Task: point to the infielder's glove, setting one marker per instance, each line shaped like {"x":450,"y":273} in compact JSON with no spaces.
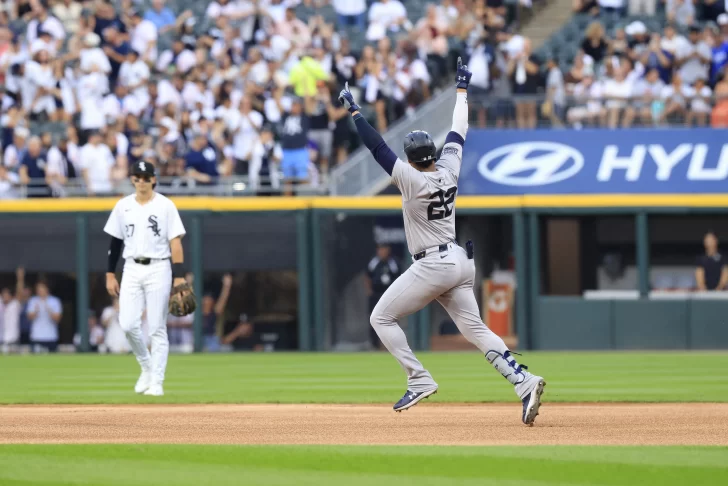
{"x":182,"y":300}
{"x":347,"y":99}
{"x":463,"y":76}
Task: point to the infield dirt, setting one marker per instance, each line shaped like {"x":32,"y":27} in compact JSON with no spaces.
{"x":427,"y":423}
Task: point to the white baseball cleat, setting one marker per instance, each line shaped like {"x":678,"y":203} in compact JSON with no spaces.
{"x":154,"y":391}
{"x":144,"y":382}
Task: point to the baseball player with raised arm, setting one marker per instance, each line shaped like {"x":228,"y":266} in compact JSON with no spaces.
{"x":441,"y":269}
{"x":150,"y":228}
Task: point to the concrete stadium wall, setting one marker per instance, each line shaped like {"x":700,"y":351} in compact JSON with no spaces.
{"x":574,"y":323}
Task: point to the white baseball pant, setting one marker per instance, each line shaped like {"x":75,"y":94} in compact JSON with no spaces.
{"x":148,"y":285}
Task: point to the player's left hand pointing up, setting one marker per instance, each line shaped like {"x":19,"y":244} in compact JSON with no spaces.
{"x":463,"y":76}
{"x":347,"y":99}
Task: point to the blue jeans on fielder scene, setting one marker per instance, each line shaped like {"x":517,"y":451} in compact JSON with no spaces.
{"x":295,"y":163}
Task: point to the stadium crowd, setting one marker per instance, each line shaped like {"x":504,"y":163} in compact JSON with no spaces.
{"x":631,"y":71}
{"x":212,"y":90}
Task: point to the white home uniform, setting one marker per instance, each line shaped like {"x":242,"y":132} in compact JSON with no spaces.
{"x":147,"y":276}
{"x":441,"y":270}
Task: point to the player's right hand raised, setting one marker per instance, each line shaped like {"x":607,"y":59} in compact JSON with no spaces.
{"x":112,"y":285}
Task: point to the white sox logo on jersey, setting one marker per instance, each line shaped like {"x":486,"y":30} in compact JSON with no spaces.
{"x":153,"y":225}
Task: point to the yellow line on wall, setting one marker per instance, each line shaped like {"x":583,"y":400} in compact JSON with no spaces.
{"x":377,"y":202}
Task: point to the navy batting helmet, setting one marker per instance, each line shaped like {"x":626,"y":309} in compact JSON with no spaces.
{"x":420,"y":148}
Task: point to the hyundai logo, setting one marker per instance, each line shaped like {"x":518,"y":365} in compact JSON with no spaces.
{"x":531,"y":163}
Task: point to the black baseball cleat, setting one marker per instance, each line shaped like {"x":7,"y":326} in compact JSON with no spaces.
{"x":410,"y":399}
{"x":532,"y":402}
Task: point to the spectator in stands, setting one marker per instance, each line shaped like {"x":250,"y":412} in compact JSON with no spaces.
{"x":294,"y":129}
{"x":44,"y":311}
{"x":587,"y":106}
{"x":712,"y":9}
{"x":523,"y":70}
{"x":712,"y":269}
{"x":655,"y":57}
{"x":32,"y":169}
{"x":105,"y":16}
{"x":201,"y":161}
{"x":68,"y":12}
{"x":43,"y":22}
{"x":647,"y":97}
{"x":642,"y":7}
{"x":244,"y":125}
{"x":555,"y":106}
{"x":595,"y":44}
{"x":718,"y":41}
{"x":700,"y":104}
{"x":96,"y":163}
{"x":612,"y":8}
{"x":212,"y":310}
{"x":719,"y":115}
{"x":142,"y":37}
{"x":8,"y":181}
{"x":351,"y":13}
{"x":617,"y":93}
{"x":590,"y":7}
{"x":692,"y":57}
{"x":431,"y":38}
{"x":386,"y":16}
{"x":15,"y":152}
{"x":265,"y":163}
{"x":676,"y":96}
{"x":161,"y":16}
{"x":681,"y":12}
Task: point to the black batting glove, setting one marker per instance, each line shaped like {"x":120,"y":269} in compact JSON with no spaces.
{"x":346,"y":99}
{"x":463,"y":76}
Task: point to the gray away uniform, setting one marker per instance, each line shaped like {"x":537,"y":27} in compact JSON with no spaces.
{"x":428,"y":200}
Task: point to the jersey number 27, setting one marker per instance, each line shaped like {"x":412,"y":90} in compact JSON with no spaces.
{"x":444,"y":200}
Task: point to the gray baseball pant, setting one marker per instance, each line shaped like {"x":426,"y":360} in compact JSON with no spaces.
{"x":448,"y":278}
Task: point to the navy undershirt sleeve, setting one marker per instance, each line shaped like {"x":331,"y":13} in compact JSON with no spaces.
{"x":114,"y":253}
{"x":376,"y":144}
{"x":455,"y":137}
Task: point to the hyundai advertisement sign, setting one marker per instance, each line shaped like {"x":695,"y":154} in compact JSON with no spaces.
{"x":598,"y":161}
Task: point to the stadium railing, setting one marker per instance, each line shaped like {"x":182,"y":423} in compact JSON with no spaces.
{"x":233,"y":186}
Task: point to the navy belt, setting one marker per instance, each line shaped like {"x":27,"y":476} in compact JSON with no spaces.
{"x":422,"y":254}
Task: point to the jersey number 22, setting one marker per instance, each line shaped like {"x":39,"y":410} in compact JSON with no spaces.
{"x":444,"y":200}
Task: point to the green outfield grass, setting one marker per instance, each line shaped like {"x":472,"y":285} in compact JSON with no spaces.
{"x":360,"y":466}
{"x":363,"y":378}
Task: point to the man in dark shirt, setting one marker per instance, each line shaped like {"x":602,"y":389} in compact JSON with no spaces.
{"x":243,"y":337}
{"x":33,"y":169}
{"x":201,"y":161}
{"x":382,"y":271}
{"x":116,"y":49}
{"x":294,"y":138}
{"x":712,"y":271}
